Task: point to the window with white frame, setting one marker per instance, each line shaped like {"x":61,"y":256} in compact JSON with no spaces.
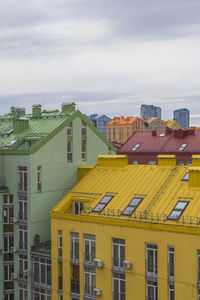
{"x":171,"y":262}
{"x":118,"y":252}
{"x":22,"y":179}
{"x":136,"y":147}
{"x":119,"y":286}
{"x":7,"y":215}
{"x":41,"y":294}
{"x":60,"y":243}
{"x":42,"y":270}
{"x":178,"y":210}
{"x":39,"y":179}
{"x":23,"y":237}
{"x":198,"y":294}
{"x":84,"y":141}
{"x":60,"y":296}
{"x":171,"y":292}
{"x":109,"y":134}
{"x":8,"y":270}
{"x":74,"y":246}
{"x":114,"y":136}
{"x":198,"y":266}
{"x":89,"y":248}
{"x":9,"y":296}
{"x":23,"y":293}
{"x":152,"y":290}
{"x":151,"y":260}
{"x":127,"y":132}
{"x":69,"y":142}
{"x":23,"y":267}
{"x":8,"y":242}
{"x":103,"y":203}
{"x":89,"y":281}
{"x":182,"y":147}
{"x":8,"y":199}
{"x":78,"y":207}
{"x":131,"y":207}
{"x":23,"y":211}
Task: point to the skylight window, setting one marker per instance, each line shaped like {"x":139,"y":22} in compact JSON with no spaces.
{"x":178,"y":210}
{"x":102,"y":204}
{"x":11,"y":143}
{"x":162,"y":134}
{"x":132,"y":206}
{"x":136,"y":147}
{"x":186,"y":177}
{"x":182,"y":147}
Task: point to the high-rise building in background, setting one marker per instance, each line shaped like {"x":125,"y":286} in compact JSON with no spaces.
{"x":100,"y":122}
{"x":182,"y":116}
{"x":149,"y":111}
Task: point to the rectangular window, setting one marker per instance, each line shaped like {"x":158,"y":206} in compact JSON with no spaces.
{"x":118,"y":286}
{"x":69,"y":143}
{"x":152,"y":290}
{"x":114,"y":136}
{"x":23,"y":293}
{"x":182,"y":147}
{"x":89,"y":281}
{"x":74,"y":246}
{"x":171,"y":292}
{"x":41,"y":294}
{"x":60,"y":243}
{"x":171,"y":262}
{"x":7,"y":215}
{"x":84,"y":141}
{"x":127,"y":132}
{"x":78,"y":207}
{"x":22,"y":179}
{"x":151,"y":162}
{"x":8,"y":282}
{"x":8,"y":242}
{"x":8,"y":199}
{"x":198,"y":266}
{"x":109,"y":134}
{"x":42,"y":270}
{"x":23,"y":267}
{"x":89,"y":248}
{"x":103,"y":203}
{"x":178,"y":210}
{"x":39,"y":179}
{"x":23,"y":237}
{"x":23,"y":212}
{"x":132,"y":206}
{"x":118,"y":252}
{"x":120,"y":135}
{"x":136,"y":147}
{"x":151,"y":260}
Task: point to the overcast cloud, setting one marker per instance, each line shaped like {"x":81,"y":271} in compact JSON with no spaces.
{"x":107,"y":56}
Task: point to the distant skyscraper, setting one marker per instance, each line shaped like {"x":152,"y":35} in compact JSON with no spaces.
{"x":182,"y":116}
{"x":149,"y":111}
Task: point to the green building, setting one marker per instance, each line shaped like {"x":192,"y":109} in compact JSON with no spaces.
{"x":39,"y":156}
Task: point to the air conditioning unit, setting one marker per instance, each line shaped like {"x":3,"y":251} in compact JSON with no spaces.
{"x":13,"y":249}
{"x":26,"y":272}
{"x":127,"y":264}
{"x":98,"y":263}
{"x":97,"y":292}
{"x":13,"y":276}
{"x":13,"y":220}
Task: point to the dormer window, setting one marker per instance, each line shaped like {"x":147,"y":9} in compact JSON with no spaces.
{"x":182,"y":147}
{"x":136,"y":147}
{"x":186,"y":177}
{"x":178,"y":210}
{"x":102,"y":204}
{"x":78,"y":207}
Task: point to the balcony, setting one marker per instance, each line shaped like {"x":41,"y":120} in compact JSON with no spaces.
{"x":75,"y":286}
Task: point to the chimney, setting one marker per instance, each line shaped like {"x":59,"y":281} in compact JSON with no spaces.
{"x":166,"y":160}
{"x":153,"y":132}
{"x":20,"y":124}
{"x":68,"y":107}
{"x":168,"y":130}
{"x":17,"y":111}
{"x":112,"y":161}
{"x":36,"y":110}
{"x":179,"y":133}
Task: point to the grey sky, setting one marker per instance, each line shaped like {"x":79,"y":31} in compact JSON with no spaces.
{"x":109,"y":56}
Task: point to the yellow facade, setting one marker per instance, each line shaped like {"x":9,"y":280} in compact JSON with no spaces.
{"x":160,"y":188}
{"x":172,"y":124}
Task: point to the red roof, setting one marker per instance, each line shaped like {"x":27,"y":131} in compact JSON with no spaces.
{"x":168,"y":141}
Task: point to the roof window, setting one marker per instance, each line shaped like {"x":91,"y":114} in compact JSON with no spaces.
{"x":132,"y":206}
{"x":178,"y":210}
{"x":136,"y":147}
{"x":11,"y":143}
{"x":102,"y":204}
{"x":162,"y":134}
{"x":185,"y":177}
{"x":182,"y":147}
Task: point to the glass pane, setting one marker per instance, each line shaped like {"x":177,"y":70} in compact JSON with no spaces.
{"x":106,"y":199}
{"x":181,"y":205}
{"x":128,"y":211}
{"x":99,"y":208}
{"x":135,"y":201}
{"x":175,"y":215}
{"x":87,"y":250}
{"x":150,"y":261}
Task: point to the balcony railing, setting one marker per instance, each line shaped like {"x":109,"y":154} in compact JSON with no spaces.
{"x":75,"y":286}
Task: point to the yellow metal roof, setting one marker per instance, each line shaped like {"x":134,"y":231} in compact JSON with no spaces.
{"x":160,"y":187}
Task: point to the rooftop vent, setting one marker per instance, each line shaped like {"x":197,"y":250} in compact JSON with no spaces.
{"x":68,"y":107}
{"x":112,"y":161}
{"x":36,"y":110}
{"x":166,"y":160}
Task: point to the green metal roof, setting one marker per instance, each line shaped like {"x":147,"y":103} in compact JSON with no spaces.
{"x":40,"y":130}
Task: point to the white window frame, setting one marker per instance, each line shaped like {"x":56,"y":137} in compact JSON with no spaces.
{"x":22,"y":179}
{"x":83,"y":138}
{"x":24,"y":231}
{"x":10,"y":269}
{"x":171,"y":261}
{"x":9,"y":199}
{"x":69,"y":140}
{"x":42,"y":263}
{"x":79,"y":205}
{"x":10,"y":242}
{"x":154,"y":286}
{"x":171,"y":289}
{"x":60,"y":241}
{"x":119,"y":283}
{"x":23,"y":265}
{"x":42,"y":294}
{"x":92,"y":245}
{"x":7,"y":214}
{"x":39,"y":179}
{"x":24,"y":293}
{"x":118,"y":261}
{"x":24,"y":212}
{"x":153,"y":249}
{"x":74,"y":242}
{"x":89,"y":290}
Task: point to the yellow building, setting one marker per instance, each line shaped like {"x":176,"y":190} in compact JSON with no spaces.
{"x":129,"y":232}
{"x":172,"y":124}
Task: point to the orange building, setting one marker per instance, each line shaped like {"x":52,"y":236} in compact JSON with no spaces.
{"x":121,"y":128}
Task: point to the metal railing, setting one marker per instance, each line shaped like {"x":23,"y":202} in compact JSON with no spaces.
{"x":142,"y":216}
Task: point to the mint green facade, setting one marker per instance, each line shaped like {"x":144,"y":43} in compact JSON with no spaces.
{"x":41,"y":141}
